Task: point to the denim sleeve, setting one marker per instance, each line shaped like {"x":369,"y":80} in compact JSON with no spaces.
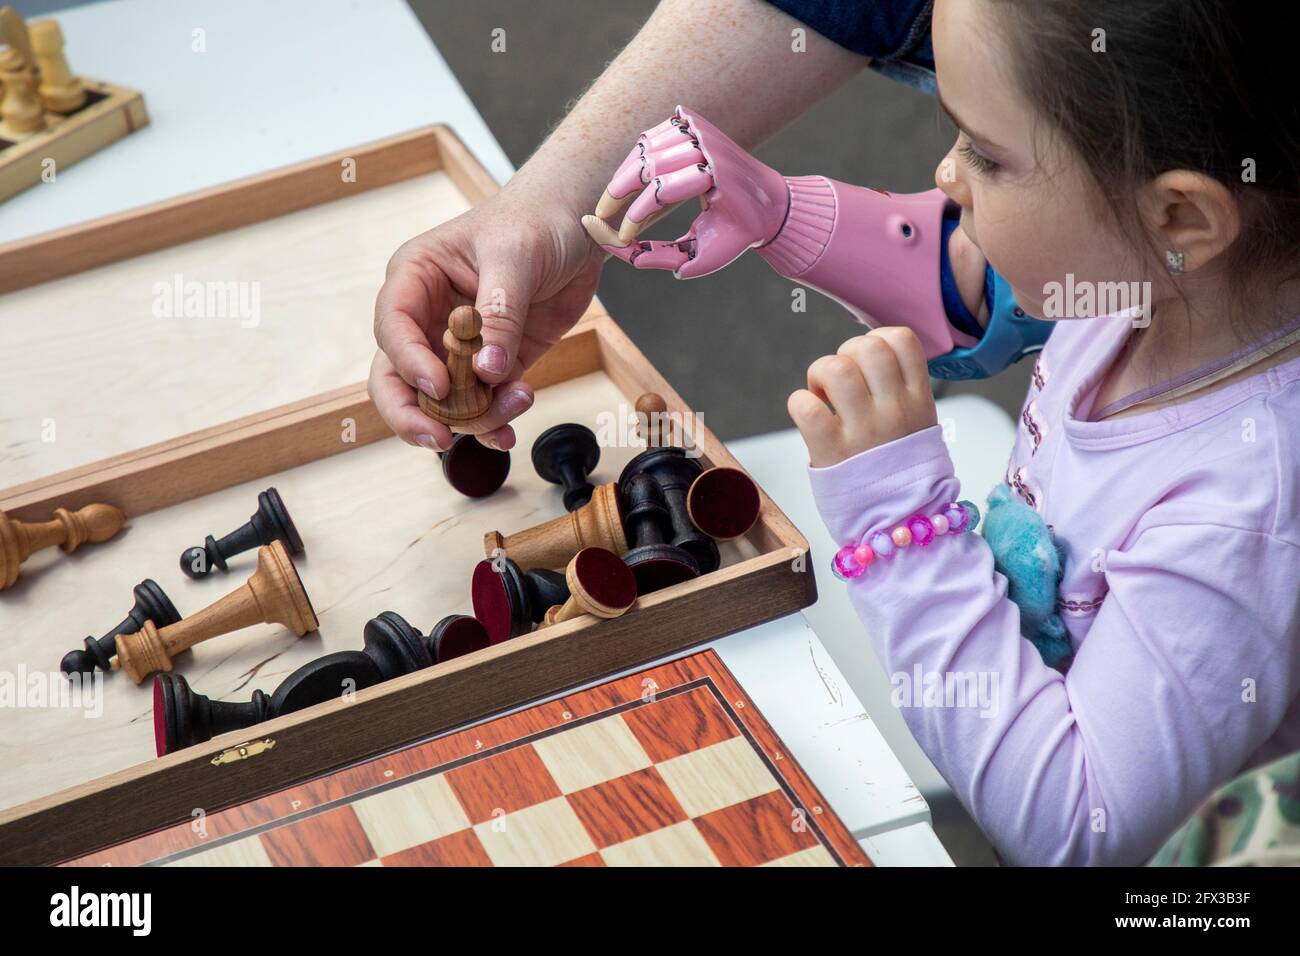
{"x":895,"y":34}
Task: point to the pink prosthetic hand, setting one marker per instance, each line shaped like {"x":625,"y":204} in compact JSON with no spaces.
{"x":876,"y":254}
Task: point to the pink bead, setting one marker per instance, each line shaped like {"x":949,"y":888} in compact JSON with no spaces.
{"x":845,"y":565}
{"x":864,"y":555}
{"x":901,"y":537}
{"x":939,"y":523}
{"x":921,"y":529}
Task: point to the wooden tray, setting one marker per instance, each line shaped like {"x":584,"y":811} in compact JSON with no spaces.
{"x":383,"y":531}
{"x":671,"y":766}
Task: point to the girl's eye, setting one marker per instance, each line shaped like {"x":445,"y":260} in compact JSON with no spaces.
{"x":976,"y":160}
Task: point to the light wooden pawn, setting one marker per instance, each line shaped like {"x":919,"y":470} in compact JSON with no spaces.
{"x":469,"y":397}
{"x":68,"y":529}
{"x":273,"y":595}
{"x":60,"y":91}
{"x":651,"y":412}
{"x":553,"y":543}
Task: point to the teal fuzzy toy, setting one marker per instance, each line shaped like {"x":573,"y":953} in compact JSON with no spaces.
{"x":1027,"y":556}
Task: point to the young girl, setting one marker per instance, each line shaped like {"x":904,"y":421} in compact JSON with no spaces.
{"x":1134,"y":592}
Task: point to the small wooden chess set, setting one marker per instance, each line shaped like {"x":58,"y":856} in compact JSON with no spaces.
{"x":437,"y":600}
{"x":51,"y":118}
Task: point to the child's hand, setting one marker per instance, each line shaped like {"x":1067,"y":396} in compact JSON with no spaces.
{"x":879,"y":388}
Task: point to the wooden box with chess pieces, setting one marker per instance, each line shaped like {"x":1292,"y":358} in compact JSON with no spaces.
{"x":50,"y":117}
{"x":273,"y":399}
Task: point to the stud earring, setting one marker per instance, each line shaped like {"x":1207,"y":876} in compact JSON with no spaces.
{"x":1174,"y":261}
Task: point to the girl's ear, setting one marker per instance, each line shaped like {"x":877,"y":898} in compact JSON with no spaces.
{"x":1191,"y":213}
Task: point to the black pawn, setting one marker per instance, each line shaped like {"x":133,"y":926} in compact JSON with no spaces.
{"x":509,"y":600}
{"x":151,"y":604}
{"x":270,"y":523}
{"x":565,"y":455}
{"x":182,"y":718}
{"x":456,"y":635}
{"x":646,"y":519}
{"x":674,"y":472}
{"x":472,"y":468}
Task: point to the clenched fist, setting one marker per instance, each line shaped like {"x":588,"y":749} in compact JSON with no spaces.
{"x":873,"y":390}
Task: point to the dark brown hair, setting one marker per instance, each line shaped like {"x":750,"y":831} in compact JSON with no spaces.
{"x":1202,"y":85}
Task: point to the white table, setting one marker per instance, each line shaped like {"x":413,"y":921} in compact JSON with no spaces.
{"x":273,"y":87}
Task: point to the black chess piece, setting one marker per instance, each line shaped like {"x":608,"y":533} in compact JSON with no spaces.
{"x":509,"y":600}
{"x":270,"y":523}
{"x":456,"y":635}
{"x":472,"y":468}
{"x":182,"y":718}
{"x":655,"y":563}
{"x":674,"y":472}
{"x":565,"y":455}
{"x":391,"y":648}
{"x":151,"y":604}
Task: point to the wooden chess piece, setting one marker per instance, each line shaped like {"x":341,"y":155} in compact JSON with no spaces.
{"x":60,"y":91}
{"x":273,"y":595}
{"x":675,"y":472}
{"x":271,"y":522}
{"x":472,"y":468}
{"x":151,"y":604}
{"x":565,"y":455}
{"x":599,"y":584}
{"x":655,"y":563}
{"x":598,"y":523}
{"x":391,"y":648}
{"x":469,"y":397}
{"x":723,"y":503}
{"x":509,"y":600}
{"x":651,"y":416}
{"x":21,"y":109}
{"x":19,"y":540}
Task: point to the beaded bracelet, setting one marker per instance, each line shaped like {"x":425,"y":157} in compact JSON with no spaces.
{"x":852,"y":560}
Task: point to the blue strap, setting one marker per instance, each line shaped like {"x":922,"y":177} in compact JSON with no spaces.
{"x":1010,"y":336}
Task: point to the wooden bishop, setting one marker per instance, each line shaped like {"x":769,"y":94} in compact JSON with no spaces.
{"x":469,"y":397}
{"x":273,"y":595}
{"x":68,"y":529}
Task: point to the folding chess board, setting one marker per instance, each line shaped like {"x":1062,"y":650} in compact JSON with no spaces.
{"x":670,"y":766}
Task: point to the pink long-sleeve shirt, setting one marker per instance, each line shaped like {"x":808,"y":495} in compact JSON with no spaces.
{"x":1180,"y":532}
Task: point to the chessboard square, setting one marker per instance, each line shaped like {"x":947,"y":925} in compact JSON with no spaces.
{"x":591,"y":753}
{"x":591,"y":859}
{"x":246,"y":852}
{"x":677,"y":845}
{"x":756,"y":831}
{"x":332,"y":838}
{"x":456,"y":849}
{"x":813,"y":856}
{"x":543,"y":835}
{"x":502,"y":783}
{"x":626,"y":807}
{"x":672,"y":726}
{"x":716,"y":777}
{"x":411,"y":814}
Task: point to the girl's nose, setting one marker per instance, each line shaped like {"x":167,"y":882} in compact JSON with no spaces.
{"x":947,"y":176}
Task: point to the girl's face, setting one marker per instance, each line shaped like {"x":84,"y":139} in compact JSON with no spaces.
{"x":1024,"y":196}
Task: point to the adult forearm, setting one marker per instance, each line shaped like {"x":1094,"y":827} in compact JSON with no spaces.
{"x":733,"y":60}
